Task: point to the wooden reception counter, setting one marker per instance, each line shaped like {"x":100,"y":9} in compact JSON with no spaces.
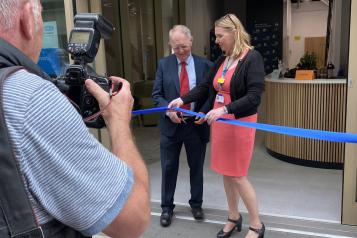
{"x":311,"y":104}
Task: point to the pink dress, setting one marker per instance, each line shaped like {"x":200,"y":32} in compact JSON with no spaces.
{"x":231,"y":146}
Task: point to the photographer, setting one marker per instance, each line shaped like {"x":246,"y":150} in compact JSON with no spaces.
{"x":74,"y":185}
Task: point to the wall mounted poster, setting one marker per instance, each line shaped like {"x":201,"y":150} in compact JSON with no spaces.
{"x":266,"y":30}
{"x":50,"y":35}
{"x":265,"y":39}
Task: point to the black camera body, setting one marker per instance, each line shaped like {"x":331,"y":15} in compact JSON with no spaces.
{"x":83,"y":46}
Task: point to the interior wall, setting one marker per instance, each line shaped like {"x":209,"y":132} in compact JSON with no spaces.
{"x":309,"y":20}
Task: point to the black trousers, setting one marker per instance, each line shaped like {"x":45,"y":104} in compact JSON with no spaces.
{"x":170,"y":148}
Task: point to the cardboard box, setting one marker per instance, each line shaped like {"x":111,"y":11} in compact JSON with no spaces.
{"x":304,"y":74}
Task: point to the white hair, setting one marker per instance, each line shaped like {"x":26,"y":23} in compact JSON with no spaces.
{"x":182,"y":28}
{"x":9,"y":11}
{"x":36,"y":12}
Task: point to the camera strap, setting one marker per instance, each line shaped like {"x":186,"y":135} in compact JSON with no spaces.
{"x":14,"y":202}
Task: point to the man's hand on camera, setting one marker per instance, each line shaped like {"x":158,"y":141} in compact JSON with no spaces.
{"x":119,"y":107}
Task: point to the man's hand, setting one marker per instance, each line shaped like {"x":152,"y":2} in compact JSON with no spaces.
{"x":119,"y":107}
{"x":214,"y":114}
{"x":173,"y":116}
{"x":175,"y":103}
{"x":200,"y":120}
{"x":117,"y":116}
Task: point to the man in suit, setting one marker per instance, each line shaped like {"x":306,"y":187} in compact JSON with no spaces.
{"x":176,"y":75}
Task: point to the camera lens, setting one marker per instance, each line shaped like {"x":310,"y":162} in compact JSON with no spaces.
{"x":87,"y":113}
{"x":88,"y":100}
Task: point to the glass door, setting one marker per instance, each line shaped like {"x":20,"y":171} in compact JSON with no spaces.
{"x":142,"y":45}
{"x":139,"y":41}
{"x":53,"y":57}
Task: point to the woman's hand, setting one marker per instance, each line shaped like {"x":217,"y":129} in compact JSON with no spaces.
{"x":175,"y":103}
{"x":214,"y":114}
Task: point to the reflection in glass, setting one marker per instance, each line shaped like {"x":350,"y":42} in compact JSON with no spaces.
{"x":54,"y":35}
{"x":169,"y":19}
{"x":142,"y":39}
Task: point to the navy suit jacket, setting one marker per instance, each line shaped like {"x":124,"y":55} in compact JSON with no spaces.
{"x":167,"y":88}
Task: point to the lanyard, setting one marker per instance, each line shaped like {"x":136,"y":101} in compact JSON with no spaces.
{"x":224,"y":72}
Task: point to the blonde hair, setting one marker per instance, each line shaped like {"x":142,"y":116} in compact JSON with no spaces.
{"x":241,"y":38}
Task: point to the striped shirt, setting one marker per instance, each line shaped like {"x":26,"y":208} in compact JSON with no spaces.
{"x":68,"y":174}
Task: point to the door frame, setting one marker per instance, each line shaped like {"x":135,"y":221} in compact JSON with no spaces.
{"x":349,"y":201}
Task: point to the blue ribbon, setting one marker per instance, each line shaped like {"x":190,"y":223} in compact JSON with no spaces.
{"x":291,"y":131}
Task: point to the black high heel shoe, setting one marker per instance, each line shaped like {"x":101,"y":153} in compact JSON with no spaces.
{"x":260,"y":231}
{"x":238,"y":226}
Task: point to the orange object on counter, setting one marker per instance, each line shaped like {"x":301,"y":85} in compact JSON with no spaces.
{"x":304,"y":74}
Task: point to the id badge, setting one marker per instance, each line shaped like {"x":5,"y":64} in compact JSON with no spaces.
{"x":220,"y":98}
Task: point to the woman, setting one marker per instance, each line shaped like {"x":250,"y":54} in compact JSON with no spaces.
{"x":234,"y":89}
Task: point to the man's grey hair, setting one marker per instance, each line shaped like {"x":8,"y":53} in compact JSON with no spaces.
{"x":182,"y":28}
{"x":9,"y":12}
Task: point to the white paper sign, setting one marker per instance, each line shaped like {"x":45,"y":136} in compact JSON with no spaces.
{"x":50,"y":35}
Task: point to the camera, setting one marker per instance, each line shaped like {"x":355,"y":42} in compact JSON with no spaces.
{"x":83,"y":46}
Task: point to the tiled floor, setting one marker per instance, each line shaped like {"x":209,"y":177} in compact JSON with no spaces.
{"x":283,"y":189}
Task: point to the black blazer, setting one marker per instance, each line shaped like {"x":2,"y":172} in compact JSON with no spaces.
{"x":246,"y":87}
{"x":167,"y":88}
